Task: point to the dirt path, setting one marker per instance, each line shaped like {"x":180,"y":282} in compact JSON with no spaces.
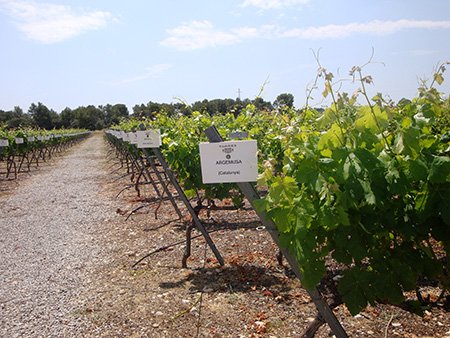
{"x":47,"y":244}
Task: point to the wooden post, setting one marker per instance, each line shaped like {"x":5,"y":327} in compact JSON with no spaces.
{"x":161,"y":181}
{"x":188,"y":205}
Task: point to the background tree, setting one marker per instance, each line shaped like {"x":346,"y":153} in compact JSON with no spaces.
{"x":15,"y":118}
{"x":113,"y":114}
{"x":284,"y":100}
{"x":89,"y":117}
{"x":149,"y":110}
{"x":68,"y":118}
{"x":43,"y":117}
{"x":262,"y":105}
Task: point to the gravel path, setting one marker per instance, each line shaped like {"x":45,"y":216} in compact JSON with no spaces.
{"x":48,"y":246}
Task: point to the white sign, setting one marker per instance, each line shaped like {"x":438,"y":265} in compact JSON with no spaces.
{"x":4,"y":143}
{"x":148,"y":139}
{"x":229,"y":162}
{"x":125,"y":136}
{"x":19,"y":140}
{"x":133,"y":137}
{"x":30,"y":138}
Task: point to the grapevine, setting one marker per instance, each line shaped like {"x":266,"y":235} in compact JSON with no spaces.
{"x":371,"y":186}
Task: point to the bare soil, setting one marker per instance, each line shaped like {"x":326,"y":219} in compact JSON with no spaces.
{"x":251,"y":296}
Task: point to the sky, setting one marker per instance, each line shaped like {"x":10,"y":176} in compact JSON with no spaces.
{"x":67,"y":53}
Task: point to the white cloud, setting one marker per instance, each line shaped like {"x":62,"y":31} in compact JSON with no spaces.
{"x":51,"y":23}
{"x":151,"y":72}
{"x":376,"y":27}
{"x":273,"y":4}
{"x":202,"y":34}
{"x":197,"y":35}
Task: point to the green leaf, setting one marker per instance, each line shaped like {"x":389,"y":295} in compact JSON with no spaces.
{"x":367,"y":159}
{"x":307,"y":171}
{"x":283,"y":187}
{"x":313,"y":271}
{"x":331,"y":139}
{"x":406,"y":277}
{"x":440,"y":170}
{"x":368,"y":193}
{"x":286,"y":239}
{"x":438,"y":78}
{"x":444,"y":207}
{"x":352,"y":288}
{"x":411,"y":138}
{"x":374,"y":119}
{"x":190,"y":193}
{"x":280,"y":217}
{"x":356,"y":245}
{"x":351,"y":167}
{"x":342,"y":256}
{"x":260,"y":205}
{"x":390,"y":289}
{"x":342,"y":215}
{"x":328,"y":219}
{"x":327,"y":89}
{"x":399,"y":145}
{"x":417,"y":170}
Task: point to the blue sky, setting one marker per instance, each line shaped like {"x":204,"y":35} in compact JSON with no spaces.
{"x":71,"y":53}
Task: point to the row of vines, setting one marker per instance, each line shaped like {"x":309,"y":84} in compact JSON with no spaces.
{"x":366,"y":185}
{"x":22,"y":149}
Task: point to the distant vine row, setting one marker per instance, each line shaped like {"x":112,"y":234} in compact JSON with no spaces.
{"x":21,"y":149}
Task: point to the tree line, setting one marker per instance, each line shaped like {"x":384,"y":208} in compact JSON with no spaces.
{"x":96,"y":118}
{"x":212,"y":107}
{"x":40,"y":116}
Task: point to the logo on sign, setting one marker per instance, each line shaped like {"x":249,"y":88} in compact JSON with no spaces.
{"x":227,"y":150}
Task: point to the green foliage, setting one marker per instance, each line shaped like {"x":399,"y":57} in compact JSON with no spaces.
{"x":370,"y":185}
{"x":182,"y":134}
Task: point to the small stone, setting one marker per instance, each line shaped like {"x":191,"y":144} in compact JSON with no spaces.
{"x":159,"y":313}
{"x":155,"y":325}
{"x":396,"y":324}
